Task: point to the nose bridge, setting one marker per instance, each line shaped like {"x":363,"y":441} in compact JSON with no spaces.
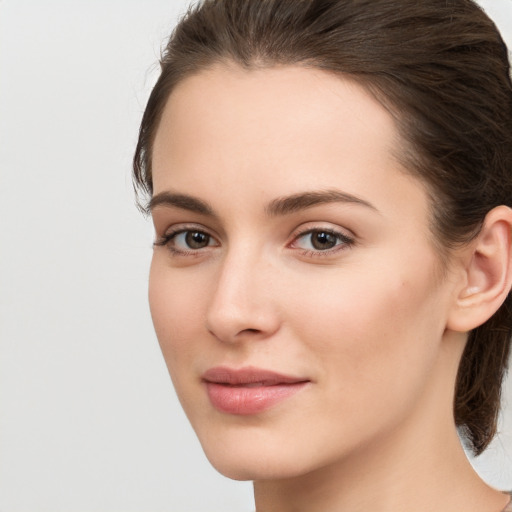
{"x":241,"y":304}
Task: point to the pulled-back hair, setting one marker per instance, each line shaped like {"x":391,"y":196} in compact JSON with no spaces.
{"x":440,"y":68}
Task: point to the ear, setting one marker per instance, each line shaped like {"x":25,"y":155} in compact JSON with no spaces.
{"x":487,"y":273}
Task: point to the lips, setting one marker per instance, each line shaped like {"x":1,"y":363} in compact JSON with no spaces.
{"x":249,"y":390}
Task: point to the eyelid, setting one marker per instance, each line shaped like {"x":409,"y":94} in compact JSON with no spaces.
{"x":173,"y":231}
{"x":347,"y":239}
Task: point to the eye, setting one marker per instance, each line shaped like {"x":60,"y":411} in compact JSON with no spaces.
{"x":186,"y":241}
{"x":192,"y":240}
{"x":321,"y":240}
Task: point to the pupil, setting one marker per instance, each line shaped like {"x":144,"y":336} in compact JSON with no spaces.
{"x":196,"y":240}
{"x":323,"y":240}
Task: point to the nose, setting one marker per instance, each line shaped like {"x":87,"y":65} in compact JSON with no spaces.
{"x":243,"y":305}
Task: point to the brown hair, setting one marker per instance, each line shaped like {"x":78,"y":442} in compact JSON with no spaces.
{"x":442,"y":70}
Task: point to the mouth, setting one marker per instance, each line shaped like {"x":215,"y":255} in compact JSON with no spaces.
{"x":249,"y":390}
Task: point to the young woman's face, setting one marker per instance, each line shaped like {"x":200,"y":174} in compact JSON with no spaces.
{"x":294,"y":288}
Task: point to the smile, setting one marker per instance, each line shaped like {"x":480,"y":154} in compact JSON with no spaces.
{"x":249,"y":390}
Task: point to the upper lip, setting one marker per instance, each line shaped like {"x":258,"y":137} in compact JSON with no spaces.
{"x":248,"y":375}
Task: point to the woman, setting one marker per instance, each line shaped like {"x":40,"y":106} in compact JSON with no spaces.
{"x":330,"y":184}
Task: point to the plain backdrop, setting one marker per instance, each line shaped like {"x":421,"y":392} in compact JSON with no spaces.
{"x":88,"y":418}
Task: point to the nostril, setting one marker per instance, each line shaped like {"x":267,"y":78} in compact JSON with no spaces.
{"x":250,"y":331}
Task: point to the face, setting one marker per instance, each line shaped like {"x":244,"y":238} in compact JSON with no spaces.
{"x":294,"y":286}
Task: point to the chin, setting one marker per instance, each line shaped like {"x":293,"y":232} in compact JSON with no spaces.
{"x":255,"y":457}
{"x":255,"y":468}
{"x":237,"y":470}
{"x":237,"y":460}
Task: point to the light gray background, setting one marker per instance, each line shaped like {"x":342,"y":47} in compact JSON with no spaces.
{"x":88,"y":418}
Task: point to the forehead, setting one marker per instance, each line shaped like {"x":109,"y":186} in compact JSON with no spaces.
{"x":276,"y":131}
{"x":226,"y":102}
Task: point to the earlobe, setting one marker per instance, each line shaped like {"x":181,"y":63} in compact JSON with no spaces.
{"x":488,"y":273}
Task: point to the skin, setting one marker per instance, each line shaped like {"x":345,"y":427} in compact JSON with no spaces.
{"x":366,"y":322}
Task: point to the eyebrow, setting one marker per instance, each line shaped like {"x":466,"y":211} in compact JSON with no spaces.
{"x":277,"y":207}
{"x":302,"y":201}
{"x":183,"y":201}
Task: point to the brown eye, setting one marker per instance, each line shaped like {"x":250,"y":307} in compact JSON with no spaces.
{"x":186,"y":240}
{"x":196,"y":239}
{"x":323,"y":240}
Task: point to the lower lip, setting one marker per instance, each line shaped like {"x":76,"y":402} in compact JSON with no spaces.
{"x":245,"y":400}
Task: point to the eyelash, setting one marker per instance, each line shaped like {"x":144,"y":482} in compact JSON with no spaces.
{"x":167,"y":238}
{"x":342,"y":242}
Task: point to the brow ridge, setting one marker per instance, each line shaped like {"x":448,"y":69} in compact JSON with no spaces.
{"x":277,"y":207}
{"x":304,"y":200}
{"x":183,"y":201}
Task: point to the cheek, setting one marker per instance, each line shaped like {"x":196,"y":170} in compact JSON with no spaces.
{"x":376,"y":326}
{"x":175,"y":304}
{"x":374,"y":343}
